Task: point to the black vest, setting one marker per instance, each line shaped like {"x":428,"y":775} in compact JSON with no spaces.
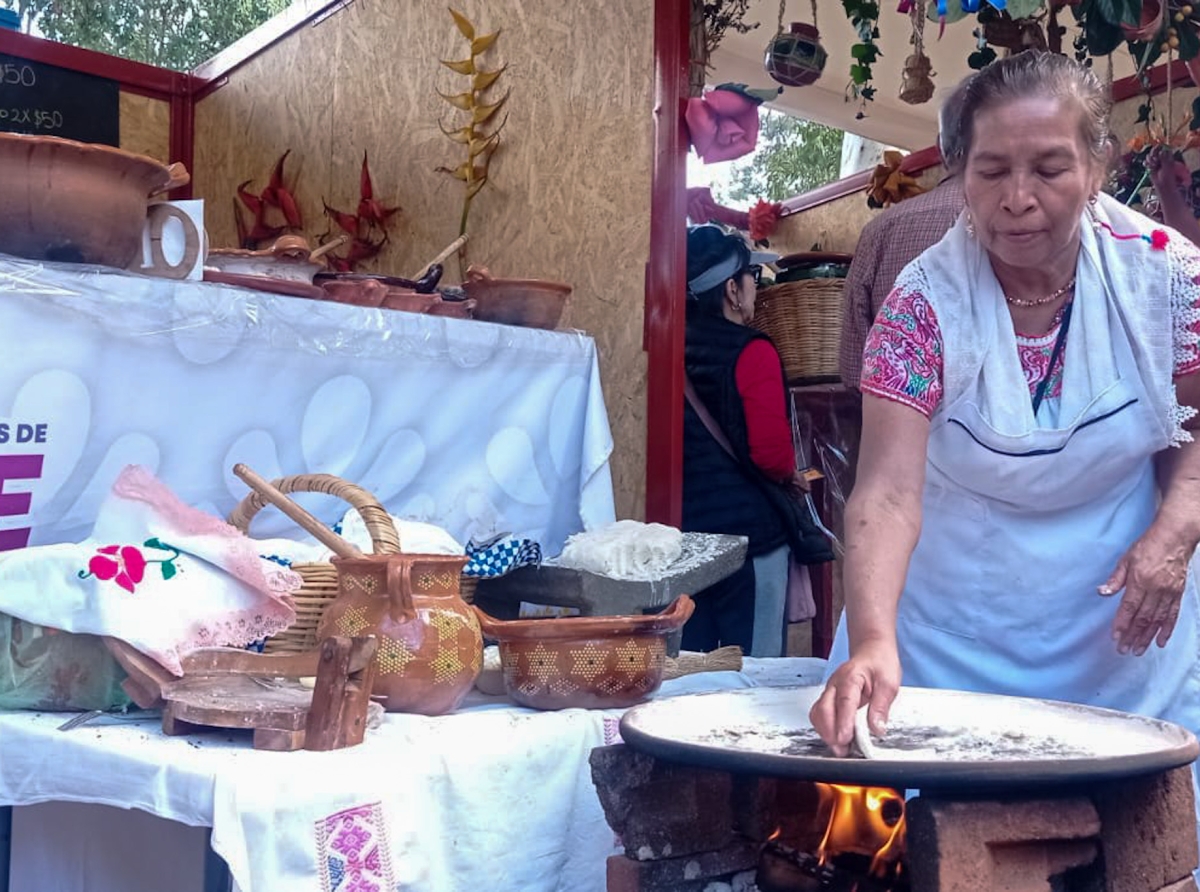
{"x":721,"y":495}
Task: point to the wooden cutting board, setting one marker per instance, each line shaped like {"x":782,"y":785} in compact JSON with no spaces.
{"x":228,"y":688}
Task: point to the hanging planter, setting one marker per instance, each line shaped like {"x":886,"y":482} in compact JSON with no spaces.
{"x":795,"y":58}
{"x":916,"y":84}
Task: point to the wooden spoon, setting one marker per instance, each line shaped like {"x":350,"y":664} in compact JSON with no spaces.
{"x":324,"y":249}
{"x":322,"y":533}
{"x":445,"y":252}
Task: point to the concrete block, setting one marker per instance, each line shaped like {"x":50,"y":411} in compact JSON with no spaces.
{"x":1012,"y":846}
{"x":1149,"y":831}
{"x":659,"y":809}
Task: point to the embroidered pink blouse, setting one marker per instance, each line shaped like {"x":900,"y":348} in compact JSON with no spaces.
{"x":902,"y":360}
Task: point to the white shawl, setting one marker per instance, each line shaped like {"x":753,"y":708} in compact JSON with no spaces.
{"x":1129,"y":286}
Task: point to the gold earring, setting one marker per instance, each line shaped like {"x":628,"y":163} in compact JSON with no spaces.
{"x":970,"y":226}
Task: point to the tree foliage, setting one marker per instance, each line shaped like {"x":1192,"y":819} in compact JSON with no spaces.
{"x":176,"y":34}
{"x":793,"y":156}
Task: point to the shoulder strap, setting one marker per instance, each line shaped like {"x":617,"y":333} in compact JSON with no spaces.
{"x":706,"y":418}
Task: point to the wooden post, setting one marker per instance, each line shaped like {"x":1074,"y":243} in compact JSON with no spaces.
{"x":338,"y":716}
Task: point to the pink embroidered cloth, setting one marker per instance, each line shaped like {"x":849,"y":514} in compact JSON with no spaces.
{"x":156,"y":573}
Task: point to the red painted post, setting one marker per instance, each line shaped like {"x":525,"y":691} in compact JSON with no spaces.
{"x":666,"y":270}
{"x":182,"y":137}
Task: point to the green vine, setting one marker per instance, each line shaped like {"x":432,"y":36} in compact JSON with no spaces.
{"x":481,"y":144}
{"x":864,"y":17}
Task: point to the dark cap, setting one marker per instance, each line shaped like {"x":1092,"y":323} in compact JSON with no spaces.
{"x":713,"y":256}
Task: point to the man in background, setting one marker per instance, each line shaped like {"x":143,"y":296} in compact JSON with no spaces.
{"x":894,"y":238}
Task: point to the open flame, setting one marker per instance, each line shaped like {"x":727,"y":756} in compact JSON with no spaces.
{"x":864,"y":820}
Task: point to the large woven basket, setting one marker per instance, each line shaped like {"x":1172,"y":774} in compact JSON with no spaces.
{"x":804,"y":319}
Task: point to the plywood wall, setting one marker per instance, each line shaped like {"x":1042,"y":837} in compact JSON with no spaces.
{"x":570,"y":191}
{"x":146,"y":126}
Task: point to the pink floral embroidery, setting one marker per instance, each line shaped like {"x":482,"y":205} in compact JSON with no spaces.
{"x":123,"y":564}
{"x":902,"y":359}
{"x":352,"y":851}
{"x":126,"y":565}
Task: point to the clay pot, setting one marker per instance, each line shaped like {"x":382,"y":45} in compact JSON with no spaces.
{"x":409,"y":301}
{"x":75,"y":202}
{"x":287,"y":258}
{"x":1149,"y":24}
{"x":430,"y":649}
{"x":796,"y":58}
{"x":594,"y":662}
{"x":361,"y":292}
{"x":458,"y":309}
{"x":533,"y":303}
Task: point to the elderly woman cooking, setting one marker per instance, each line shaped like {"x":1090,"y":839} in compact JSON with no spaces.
{"x":1028,"y":494}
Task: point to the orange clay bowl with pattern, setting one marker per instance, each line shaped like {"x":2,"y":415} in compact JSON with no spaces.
{"x":593,"y":662}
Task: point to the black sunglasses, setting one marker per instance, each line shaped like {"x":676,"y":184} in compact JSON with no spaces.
{"x":755,"y":270}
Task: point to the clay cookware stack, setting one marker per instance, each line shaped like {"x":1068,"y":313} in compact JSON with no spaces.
{"x":393,"y":293}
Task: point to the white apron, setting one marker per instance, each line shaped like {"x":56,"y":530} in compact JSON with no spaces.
{"x":1023,"y":518}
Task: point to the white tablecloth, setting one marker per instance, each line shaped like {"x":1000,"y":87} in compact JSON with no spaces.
{"x":493,"y":797}
{"x":479,"y":428}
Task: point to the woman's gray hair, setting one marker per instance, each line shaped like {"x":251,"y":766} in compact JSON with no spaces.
{"x":1026,"y":75}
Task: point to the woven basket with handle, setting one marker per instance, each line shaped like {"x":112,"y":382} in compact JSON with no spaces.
{"x":320,"y":578}
{"x":804,"y":319}
{"x":320,"y":585}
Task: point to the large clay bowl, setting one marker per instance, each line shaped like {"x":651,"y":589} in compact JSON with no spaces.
{"x":593,"y":662}
{"x":69,"y":201}
{"x":533,"y":303}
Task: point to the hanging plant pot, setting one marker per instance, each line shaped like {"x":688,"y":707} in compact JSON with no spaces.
{"x":1149,"y":24}
{"x":916,"y":85}
{"x":796,"y":58}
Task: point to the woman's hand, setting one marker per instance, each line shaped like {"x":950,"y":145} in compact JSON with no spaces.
{"x":1153,"y":574}
{"x":871,"y":677}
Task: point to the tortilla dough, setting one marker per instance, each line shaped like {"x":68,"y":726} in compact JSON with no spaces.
{"x":862,"y":735}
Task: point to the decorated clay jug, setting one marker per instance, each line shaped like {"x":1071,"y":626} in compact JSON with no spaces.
{"x":430,"y":647}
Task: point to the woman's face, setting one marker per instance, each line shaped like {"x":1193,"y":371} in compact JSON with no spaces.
{"x":1028,"y":177}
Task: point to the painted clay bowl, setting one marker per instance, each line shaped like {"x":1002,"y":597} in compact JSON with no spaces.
{"x":62,"y":200}
{"x":533,"y":303}
{"x":593,"y":662}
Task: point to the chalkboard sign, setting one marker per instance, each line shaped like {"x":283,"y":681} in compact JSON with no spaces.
{"x":50,"y":101}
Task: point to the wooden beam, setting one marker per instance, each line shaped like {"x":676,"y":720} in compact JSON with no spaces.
{"x":666,"y":270}
{"x":215,"y":72}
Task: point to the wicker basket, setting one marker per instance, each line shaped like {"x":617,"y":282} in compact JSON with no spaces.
{"x":320,"y":585}
{"x":804,"y":319}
